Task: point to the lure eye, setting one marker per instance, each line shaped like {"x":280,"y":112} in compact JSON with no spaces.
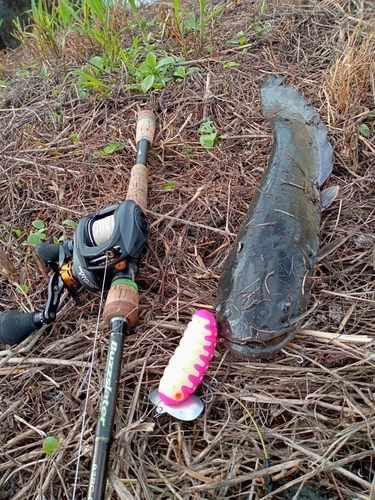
{"x":178,"y":396}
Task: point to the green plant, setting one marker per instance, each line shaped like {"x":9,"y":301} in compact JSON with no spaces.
{"x":185,"y":22}
{"x":141,"y":24}
{"x":153,"y":73}
{"x":209,"y":135}
{"x":74,"y":137}
{"x":5,"y":232}
{"x":179,"y":21}
{"x":186,"y":150}
{"x":263,"y":6}
{"x":111,"y":148}
{"x":261,"y":29}
{"x":22,"y":289}
{"x":229,"y":64}
{"x":70,"y":223}
{"x":88,"y":76}
{"x":170,"y":185}
{"x":364,"y":130}
{"x":38,"y":236}
{"x":50,"y":444}
{"x":60,"y":117}
{"x":241,"y":40}
{"x":59,"y":20}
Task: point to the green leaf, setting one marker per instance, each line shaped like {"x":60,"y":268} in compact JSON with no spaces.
{"x":88,"y":80}
{"x":165,"y":61}
{"x":208,"y":140}
{"x":364,"y":130}
{"x":50,"y":444}
{"x":207,"y":127}
{"x":112,"y":148}
{"x":191,"y":23}
{"x":36,"y":238}
{"x":97,"y":61}
{"x":70,"y":223}
{"x":229,"y":64}
{"x":17,"y":232}
{"x":233,"y":42}
{"x":151,"y":59}
{"x":170,"y":185}
{"x":23,"y":289}
{"x":38,"y":224}
{"x":147,"y":83}
{"x":180,"y":72}
{"x":263,"y":6}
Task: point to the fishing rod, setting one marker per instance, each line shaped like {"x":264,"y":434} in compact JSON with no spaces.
{"x":104,"y":254}
{"x":120,"y":313}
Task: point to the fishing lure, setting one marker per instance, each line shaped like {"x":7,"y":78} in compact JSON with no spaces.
{"x":190,"y":360}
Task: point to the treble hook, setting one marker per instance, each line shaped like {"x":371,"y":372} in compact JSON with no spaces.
{"x":211,"y":389}
{"x":299,"y":358}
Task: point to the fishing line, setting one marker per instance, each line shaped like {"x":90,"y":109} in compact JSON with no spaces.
{"x":263,"y":444}
{"x":88,"y":378}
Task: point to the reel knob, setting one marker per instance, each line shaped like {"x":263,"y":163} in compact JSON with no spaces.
{"x":16,"y":326}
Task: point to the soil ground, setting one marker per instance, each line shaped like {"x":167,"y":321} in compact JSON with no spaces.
{"x":314,"y":401}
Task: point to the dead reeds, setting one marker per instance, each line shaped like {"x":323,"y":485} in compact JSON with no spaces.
{"x":314,"y":401}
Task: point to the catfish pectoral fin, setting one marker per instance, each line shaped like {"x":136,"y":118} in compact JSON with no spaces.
{"x":334,"y":245}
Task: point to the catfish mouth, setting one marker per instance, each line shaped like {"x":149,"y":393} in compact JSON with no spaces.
{"x":262,"y":337}
{"x":257,"y":349}
{"x":260,"y":343}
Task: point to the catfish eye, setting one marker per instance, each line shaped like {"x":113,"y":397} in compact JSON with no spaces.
{"x":285,"y":307}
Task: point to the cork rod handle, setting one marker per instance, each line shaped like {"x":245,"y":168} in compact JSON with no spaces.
{"x":137,"y":189}
{"x":122,"y":298}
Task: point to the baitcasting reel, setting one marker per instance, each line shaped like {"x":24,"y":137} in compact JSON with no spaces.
{"x":112,"y":240}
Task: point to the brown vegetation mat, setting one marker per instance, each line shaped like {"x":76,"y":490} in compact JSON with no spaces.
{"x":314,"y":401}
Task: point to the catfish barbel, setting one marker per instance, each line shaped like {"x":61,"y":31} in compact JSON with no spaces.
{"x":264,"y":288}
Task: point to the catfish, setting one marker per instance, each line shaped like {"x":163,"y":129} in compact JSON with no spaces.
{"x":265,"y":284}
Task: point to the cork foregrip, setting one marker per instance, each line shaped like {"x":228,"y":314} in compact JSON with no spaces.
{"x":137,"y":189}
{"x":122,"y":300}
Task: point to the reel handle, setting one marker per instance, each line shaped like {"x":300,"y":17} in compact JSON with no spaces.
{"x":122,"y":298}
{"x":16,"y":326}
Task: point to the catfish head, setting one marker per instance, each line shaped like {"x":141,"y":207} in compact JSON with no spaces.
{"x":258,"y":319}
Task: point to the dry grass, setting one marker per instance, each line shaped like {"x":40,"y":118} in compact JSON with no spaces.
{"x":314,"y":401}
{"x":350,"y":87}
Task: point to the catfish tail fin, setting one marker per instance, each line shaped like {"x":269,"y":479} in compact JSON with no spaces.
{"x":285,"y":102}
